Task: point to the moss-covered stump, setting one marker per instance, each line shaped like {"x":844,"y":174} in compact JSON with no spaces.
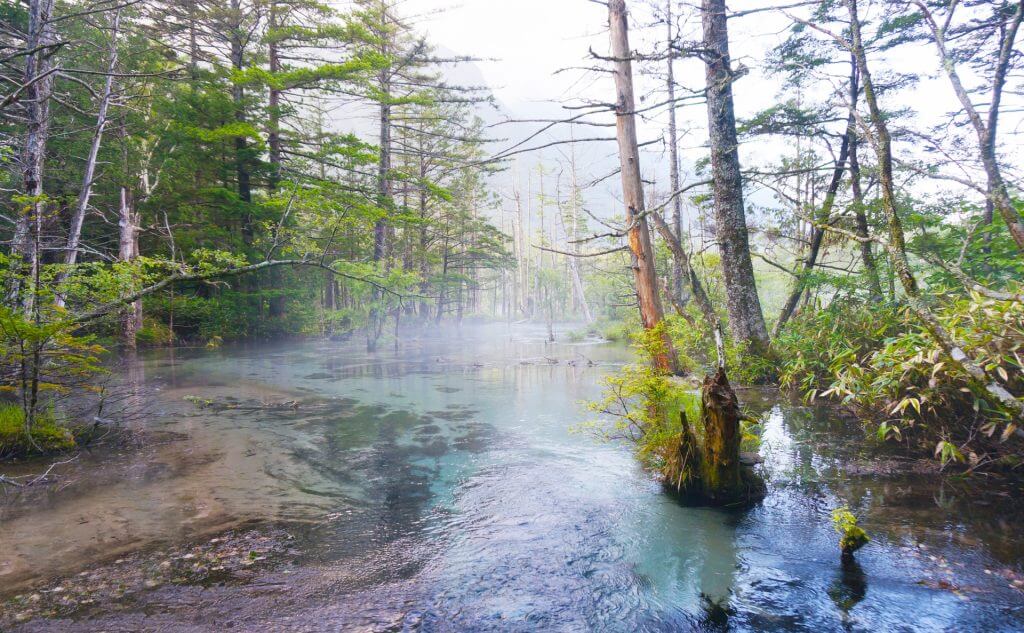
{"x":851,"y":536}
{"x":714,"y":474}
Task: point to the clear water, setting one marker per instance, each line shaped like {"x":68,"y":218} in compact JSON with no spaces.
{"x":442,"y":487}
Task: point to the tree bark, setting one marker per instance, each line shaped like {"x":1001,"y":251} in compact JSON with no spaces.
{"x":860,"y":217}
{"x":644,"y":273}
{"x":721,"y":477}
{"x":128,"y":251}
{"x":673,"y":157}
{"x":746,"y":320}
{"x":384,"y":193}
{"x":274,"y":102}
{"x":39,"y":79}
{"x":241,"y":144}
{"x":278,"y":301}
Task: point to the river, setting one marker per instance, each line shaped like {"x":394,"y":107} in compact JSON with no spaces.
{"x":445,"y":485}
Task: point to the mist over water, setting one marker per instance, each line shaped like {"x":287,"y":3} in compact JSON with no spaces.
{"x":441,"y":486}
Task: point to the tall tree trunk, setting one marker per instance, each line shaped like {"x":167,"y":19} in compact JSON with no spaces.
{"x":242,"y":161}
{"x":82,"y":204}
{"x":128,"y":251}
{"x":639,"y":236}
{"x":424,"y":309}
{"x":867,"y":256}
{"x":38,"y":78}
{"x":278,"y":301}
{"x":673,"y":157}
{"x":384,"y":193}
{"x":746,"y":321}
{"x":274,"y":102}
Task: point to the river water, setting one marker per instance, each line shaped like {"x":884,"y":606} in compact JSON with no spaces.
{"x":444,"y":485}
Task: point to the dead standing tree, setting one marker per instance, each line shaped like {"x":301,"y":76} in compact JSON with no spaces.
{"x":645,"y":276}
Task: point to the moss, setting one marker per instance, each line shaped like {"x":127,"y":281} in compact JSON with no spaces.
{"x":46,"y":436}
{"x":851,"y":536}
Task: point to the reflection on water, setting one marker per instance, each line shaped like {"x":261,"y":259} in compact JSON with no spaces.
{"x":442,"y":489}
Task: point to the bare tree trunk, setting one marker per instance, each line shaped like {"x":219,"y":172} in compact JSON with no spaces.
{"x":860,"y":217}
{"x":985,"y":131}
{"x":644,"y":273}
{"x":82,"y":205}
{"x":38,"y":78}
{"x":824,"y":215}
{"x":746,"y":321}
{"x":673,"y":157}
{"x":523,"y":254}
{"x":572,"y":264}
{"x":128,"y":250}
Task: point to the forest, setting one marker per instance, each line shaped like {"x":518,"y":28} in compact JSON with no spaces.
{"x":719,"y":215}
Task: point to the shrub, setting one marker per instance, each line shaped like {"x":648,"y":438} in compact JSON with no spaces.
{"x":154,"y":334}
{"x":851,"y":536}
{"x":45,"y":436}
{"x":879,"y":361}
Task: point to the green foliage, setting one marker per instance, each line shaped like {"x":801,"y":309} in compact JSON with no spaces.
{"x":44,"y":436}
{"x":154,"y":334}
{"x":643,"y":407}
{"x":851,"y":536}
{"x":617,"y":331}
{"x":880,"y":361}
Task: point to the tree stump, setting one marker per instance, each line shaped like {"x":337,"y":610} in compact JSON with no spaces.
{"x":714,"y":474}
{"x":720,"y":413}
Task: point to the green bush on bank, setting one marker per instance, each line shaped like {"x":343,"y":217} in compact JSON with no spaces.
{"x":876,"y":359}
{"x":879,"y":361}
{"x":45,"y":436}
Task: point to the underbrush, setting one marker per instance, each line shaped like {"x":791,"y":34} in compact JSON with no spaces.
{"x":877,"y":360}
{"x":697,"y":353}
{"x":45,"y":436}
{"x":647,"y":409}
